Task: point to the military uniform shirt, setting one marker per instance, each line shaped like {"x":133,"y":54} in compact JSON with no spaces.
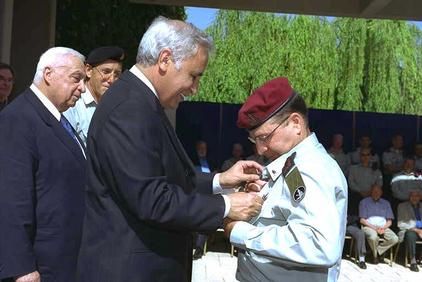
{"x":299,"y":234}
{"x":361,"y":178}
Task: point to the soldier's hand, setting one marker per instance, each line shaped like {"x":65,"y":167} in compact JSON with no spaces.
{"x":240,"y":172}
{"x":228,"y":226}
{"x":244,"y":206}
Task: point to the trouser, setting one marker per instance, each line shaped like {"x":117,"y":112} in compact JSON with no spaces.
{"x":200,"y":241}
{"x":359,"y":239}
{"x":390,"y":239}
{"x":410,"y":238}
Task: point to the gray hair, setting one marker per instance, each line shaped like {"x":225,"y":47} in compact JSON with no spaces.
{"x":181,"y":38}
{"x":55,"y":57}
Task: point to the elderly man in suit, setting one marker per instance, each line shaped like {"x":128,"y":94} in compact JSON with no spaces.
{"x":409,"y":221}
{"x":144,"y":197}
{"x":42,"y":178}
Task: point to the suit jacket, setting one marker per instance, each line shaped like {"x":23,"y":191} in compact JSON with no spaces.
{"x":406,"y":218}
{"x":142,"y":200}
{"x":41,"y":193}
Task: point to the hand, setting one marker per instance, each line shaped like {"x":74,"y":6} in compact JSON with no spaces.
{"x":380,"y":231}
{"x":31,"y":277}
{"x":228,"y":225}
{"x":244,"y":206}
{"x":419,"y":232}
{"x":255,"y":186}
{"x":240,"y":172}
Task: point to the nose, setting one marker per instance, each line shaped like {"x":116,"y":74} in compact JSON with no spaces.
{"x":82,"y":86}
{"x":261,"y":148}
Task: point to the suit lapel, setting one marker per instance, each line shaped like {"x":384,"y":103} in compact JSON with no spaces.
{"x":55,"y":125}
{"x":155,"y":104}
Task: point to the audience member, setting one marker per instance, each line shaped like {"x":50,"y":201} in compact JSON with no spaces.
{"x":299,"y":234}
{"x":143,"y":191}
{"x":256,"y":157}
{"x":376,"y":218}
{"x":237,"y":155}
{"x":353,"y":229}
{"x":418,"y":157}
{"x":202,"y":164}
{"x":42,"y":174}
{"x":409,"y":216}
{"x":361,"y":178}
{"x":365,"y":143}
{"x":336,"y":151}
{"x":103,"y":66}
{"x":393,"y":158}
{"x":7,"y":78}
{"x":406,"y":180}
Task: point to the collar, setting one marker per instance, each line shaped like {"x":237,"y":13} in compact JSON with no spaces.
{"x":138,"y":73}
{"x":274,"y":169}
{"x":45,"y":101}
{"x":87,"y":97}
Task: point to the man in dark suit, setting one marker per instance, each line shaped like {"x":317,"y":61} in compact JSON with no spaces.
{"x":42,"y":175}
{"x":144,"y":197}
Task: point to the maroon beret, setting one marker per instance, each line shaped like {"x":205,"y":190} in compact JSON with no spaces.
{"x":265,"y":102}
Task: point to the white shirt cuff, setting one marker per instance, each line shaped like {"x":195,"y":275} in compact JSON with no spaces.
{"x":216,"y":187}
{"x":239,"y":233}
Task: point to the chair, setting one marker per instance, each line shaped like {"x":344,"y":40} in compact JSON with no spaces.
{"x":406,"y":255}
{"x":352,"y":241}
{"x":390,"y":251}
{"x":231,"y":246}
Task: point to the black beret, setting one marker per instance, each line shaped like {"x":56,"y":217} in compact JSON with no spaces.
{"x":102,"y":54}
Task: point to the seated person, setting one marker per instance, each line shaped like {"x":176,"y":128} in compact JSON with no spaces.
{"x":365,"y":143}
{"x":361,"y":178}
{"x":237,"y":155}
{"x":406,"y":180}
{"x":353,"y":229}
{"x":376,"y":218}
{"x":336,"y":151}
{"x":393,"y":157}
{"x":409,"y":216}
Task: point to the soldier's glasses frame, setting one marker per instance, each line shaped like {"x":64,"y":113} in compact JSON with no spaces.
{"x":263,"y":139}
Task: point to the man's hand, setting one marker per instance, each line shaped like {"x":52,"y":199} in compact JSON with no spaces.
{"x":255,"y":186}
{"x":419,"y":232}
{"x":31,"y":277}
{"x":240,"y":172}
{"x":228,"y":226}
{"x":381,"y":230}
{"x":244,"y":206}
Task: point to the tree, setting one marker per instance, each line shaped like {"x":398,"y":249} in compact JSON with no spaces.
{"x":86,"y":24}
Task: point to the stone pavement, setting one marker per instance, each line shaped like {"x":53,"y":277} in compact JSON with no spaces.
{"x":220,"y":266}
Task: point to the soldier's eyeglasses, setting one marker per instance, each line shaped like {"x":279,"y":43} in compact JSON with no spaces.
{"x":263,"y":139}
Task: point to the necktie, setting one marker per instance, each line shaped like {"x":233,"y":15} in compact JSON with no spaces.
{"x":65,"y":123}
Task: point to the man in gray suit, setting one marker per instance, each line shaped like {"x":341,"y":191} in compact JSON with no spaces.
{"x":410,"y":223}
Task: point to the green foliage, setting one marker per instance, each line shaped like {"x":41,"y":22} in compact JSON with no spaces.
{"x":87,"y":24}
{"x":346,"y":64}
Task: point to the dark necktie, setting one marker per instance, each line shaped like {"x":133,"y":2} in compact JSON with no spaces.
{"x":66,"y":124}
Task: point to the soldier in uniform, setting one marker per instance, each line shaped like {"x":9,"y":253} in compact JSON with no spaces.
{"x":299,"y":234}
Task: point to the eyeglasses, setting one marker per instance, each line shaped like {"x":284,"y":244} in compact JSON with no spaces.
{"x":365,"y":155}
{"x":265,"y":137}
{"x":106,"y":73}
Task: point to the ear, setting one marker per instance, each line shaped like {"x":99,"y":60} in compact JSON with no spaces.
{"x":165,"y":60}
{"x":88,"y":70}
{"x":297,"y":122}
{"x":48,"y":75}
